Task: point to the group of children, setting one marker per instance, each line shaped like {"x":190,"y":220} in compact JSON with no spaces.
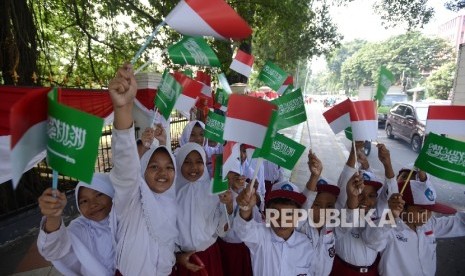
{"x":154,"y":214}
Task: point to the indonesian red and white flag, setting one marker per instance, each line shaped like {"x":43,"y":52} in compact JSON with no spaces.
{"x":285,"y":85}
{"x":364,"y":120}
{"x":242,"y":63}
{"x":247,"y":119}
{"x":231,"y":157}
{"x":191,"y":90}
{"x":28,"y":121}
{"x":446,"y":119}
{"x":208,"y":18}
{"x":338,"y":117}
{"x":205,"y":79}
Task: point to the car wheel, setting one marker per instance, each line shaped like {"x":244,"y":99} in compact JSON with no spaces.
{"x":389,"y":132}
{"x":416,"y":143}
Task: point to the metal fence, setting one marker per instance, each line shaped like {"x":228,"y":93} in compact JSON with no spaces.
{"x":36,"y":180}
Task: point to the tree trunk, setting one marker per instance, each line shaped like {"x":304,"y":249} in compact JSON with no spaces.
{"x":18,"y":43}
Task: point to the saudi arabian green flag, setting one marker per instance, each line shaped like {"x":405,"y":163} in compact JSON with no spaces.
{"x":218,"y":184}
{"x":284,"y":151}
{"x":214,"y":127}
{"x":272,"y":75}
{"x":72,"y":139}
{"x":443,"y":157}
{"x":291,"y":109}
{"x":386,"y":78}
{"x":271,"y":132}
{"x":348,"y":133}
{"x":193,"y":51}
{"x":168,"y":92}
{"x":224,"y":83}
{"x":222,"y":97}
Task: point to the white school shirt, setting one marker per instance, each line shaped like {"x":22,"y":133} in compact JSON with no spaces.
{"x":145,"y":221}
{"x":272,"y":172}
{"x":231,"y":236}
{"x":271,"y":255}
{"x":408,"y":252}
{"x":350,"y":246}
{"x":85,"y":247}
{"x":201,"y":217}
{"x":323,"y":241}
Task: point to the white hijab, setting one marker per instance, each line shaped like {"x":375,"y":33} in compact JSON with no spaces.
{"x":159,"y":208}
{"x":186,"y":133}
{"x":196,"y":220}
{"x":92,"y":241}
{"x":181,"y":155}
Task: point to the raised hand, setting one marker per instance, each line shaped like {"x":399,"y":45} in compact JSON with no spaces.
{"x":314,"y":164}
{"x":396,"y":204}
{"x":52,"y":208}
{"x":123,"y":87}
{"x":354,"y":189}
{"x":160,"y":134}
{"x":246,"y":201}
{"x":147,"y":137}
{"x":385,"y":157}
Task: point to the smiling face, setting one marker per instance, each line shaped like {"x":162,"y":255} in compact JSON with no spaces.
{"x":94,"y":205}
{"x":197,"y":135}
{"x":368,"y":198}
{"x":192,"y":168}
{"x":160,"y":171}
{"x":236,"y":182}
{"x":322,"y":202}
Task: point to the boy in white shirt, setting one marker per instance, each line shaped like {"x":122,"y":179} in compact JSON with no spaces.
{"x":410,"y":247}
{"x":277,"y":250}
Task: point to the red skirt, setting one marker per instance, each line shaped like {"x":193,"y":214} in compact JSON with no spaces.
{"x":340,"y":267}
{"x":236,"y":259}
{"x":211,"y":258}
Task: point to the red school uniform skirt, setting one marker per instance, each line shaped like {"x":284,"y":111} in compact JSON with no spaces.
{"x":211,"y":258}
{"x":235,"y":258}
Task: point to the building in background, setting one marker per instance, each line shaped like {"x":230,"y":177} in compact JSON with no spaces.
{"x":453,"y":30}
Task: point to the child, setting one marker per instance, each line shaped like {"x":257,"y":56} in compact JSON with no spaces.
{"x":320,"y":198}
{"x":279,"y":249}
{"x":272,"y":174}
{"x":248,"y":166}
{"x":194,"y":132}
{"x":85,"y":247}
{"x":235,"y":254}
{"x":145,"y":197}
{"x":410,"y":247}
{"x":353,"y":256}
{"x":201,"y":217}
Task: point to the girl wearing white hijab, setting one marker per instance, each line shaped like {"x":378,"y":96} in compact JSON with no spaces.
{"x":194,"y":132}
{"x":145,"y":197}
{"x":85,"y":247}
{"x":201,"y":216}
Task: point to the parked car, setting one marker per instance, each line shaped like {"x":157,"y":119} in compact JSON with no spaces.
{"x":407,"y":122}
{"x":388,"y":101}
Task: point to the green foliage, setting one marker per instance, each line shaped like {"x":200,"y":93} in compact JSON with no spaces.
{"x":408,"y":57}
{"x":440,"y":83}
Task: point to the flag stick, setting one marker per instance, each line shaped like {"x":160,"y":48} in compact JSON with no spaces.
{"x":255,"y":173}
{"x":143,"y":66}
{"x":227,"y":216}
{"x":355,"y":152}
{"x":407,"y":180}
{"x":309,"y":134}
{"x":147,"y":42}
{"x":54,"y":183}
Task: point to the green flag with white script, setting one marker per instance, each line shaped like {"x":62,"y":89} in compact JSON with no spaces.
{"x":168,"y":92}
{"x":386,"y":78}
{"x":219,"y":185}
{"x":443,"y":157}
{"x":291,"y":109}
{"x":193,"y":51}
{"x":222,"y":97}
{"x":214,"y":127}
{"x":272,"y":75}
{"x":73,"y":139}
{"x":284,"y":151}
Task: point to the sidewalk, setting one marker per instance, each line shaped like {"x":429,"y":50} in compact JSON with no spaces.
{"x":323,"y":142}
